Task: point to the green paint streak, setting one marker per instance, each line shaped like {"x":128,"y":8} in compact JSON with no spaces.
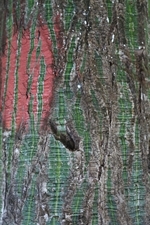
{"x":29,"y":8}
{"x":77,"y":202}
{"x":18,"y":10}
{"x":131,"y":23}
{"x":31,"y":115}
{"x":78,"y":117}
{"x":9,"y":30}
{"x":40,"y":88}
{"x":68,"y":14}
{"x":9,"y":21}
{"x":9,"y":146}
{"x":125,"y":115}
{"x":38,"y":50}
{"x":62,"y":106}
{"x":79,"y":122}
{"x":21,"y":169}
{"x":29,"y":208}
{"x":50,"y":18}
{"x":16,"y":74}
{"x":109,"y":9}
{"x":95,"y":208}
{"x":30,"y":78}
{"x":137,"y":190}
{"x":32,"y":36}
{"x":111,"y":205}
{"x":27,"y":151}
{"x":58,"y":173}
{"x":120,"y":76}
{"x":69,"y":67}
{"x":87,"y":146}
{"x":31,"y":205}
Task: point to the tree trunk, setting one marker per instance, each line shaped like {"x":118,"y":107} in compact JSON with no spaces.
{"x":74,"y":112}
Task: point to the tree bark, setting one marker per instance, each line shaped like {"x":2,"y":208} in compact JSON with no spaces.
{"x":74,"y":112}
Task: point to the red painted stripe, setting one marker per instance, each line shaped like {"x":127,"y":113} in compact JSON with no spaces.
{"x":22,"y":115}
{"x":22,"y":104}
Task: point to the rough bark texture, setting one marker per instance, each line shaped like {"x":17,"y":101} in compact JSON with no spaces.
{"x":74,"y":112}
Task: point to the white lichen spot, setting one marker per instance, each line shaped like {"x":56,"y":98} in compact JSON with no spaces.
{"x":16,"y":152}
{"x":44,"y":188}
{"x":112,"y":39}
{"x":107,"y":19}
{"x":144,"y":97}
{"x":120,"y":52}
{"x":46,"y":217}
{"x":6,"y":133}
{"x":79,"y":86}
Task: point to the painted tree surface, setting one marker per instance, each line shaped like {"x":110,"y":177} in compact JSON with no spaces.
{"x":74,"y":112}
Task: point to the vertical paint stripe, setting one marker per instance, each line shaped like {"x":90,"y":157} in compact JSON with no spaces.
{"x":22,"y":102}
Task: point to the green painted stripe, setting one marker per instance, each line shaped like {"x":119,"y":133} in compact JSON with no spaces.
{"x":16,"y":76}
{"x":124,"y":117}
{"x":69,"y":67}
{"x":78,"y":117}
{"x":77,"y":203}
{"x":29,"y":210}
{"x":95,"y":208}
{"x":38,"y":50}
{"x":27,"y":149}
{"x":32,"y":37}
{"x":58,"y":173}
{"x":9,"y":145}
{"x":109,"y":5}
{"x":29,"y":9}
{"x":131,"y":23}
{"x":49,"y":15}
{"x":137,"y":191}
{"x":87,"y":146}
{"x":69,"y":9}
{"x":41,"y":88}
{"x":62,"y":106}
{"x":111,"y":205}
{"x":31,"y":114}
{"x":9,"y":31}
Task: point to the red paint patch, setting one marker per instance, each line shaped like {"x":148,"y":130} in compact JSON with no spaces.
{"x":22,"y":104}
{"x":24,"y":95}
